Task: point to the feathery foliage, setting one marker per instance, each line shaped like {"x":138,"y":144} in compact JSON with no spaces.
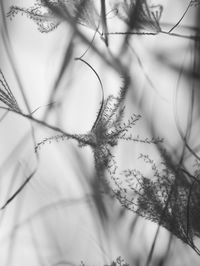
{"x":139,"y":15}
{"x":107,"y":130}
{"x":6,"y":95}
{"x":169,"y":198}
{"x":83,"y":12}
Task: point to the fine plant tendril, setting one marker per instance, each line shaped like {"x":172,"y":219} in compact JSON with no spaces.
{"x":169,"y":194}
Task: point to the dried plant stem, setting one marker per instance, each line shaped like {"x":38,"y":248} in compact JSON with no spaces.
{"x":45,"y":124}
{"x":147,"y":33}
{"x":182,"y":17}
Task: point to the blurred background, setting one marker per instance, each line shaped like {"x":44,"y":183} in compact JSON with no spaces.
{"x":61,"y":217}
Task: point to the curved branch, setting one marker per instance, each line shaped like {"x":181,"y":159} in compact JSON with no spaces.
{"x":102,"y":90}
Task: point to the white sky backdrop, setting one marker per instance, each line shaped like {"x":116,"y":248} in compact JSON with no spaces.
{"x":37,"y":57}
